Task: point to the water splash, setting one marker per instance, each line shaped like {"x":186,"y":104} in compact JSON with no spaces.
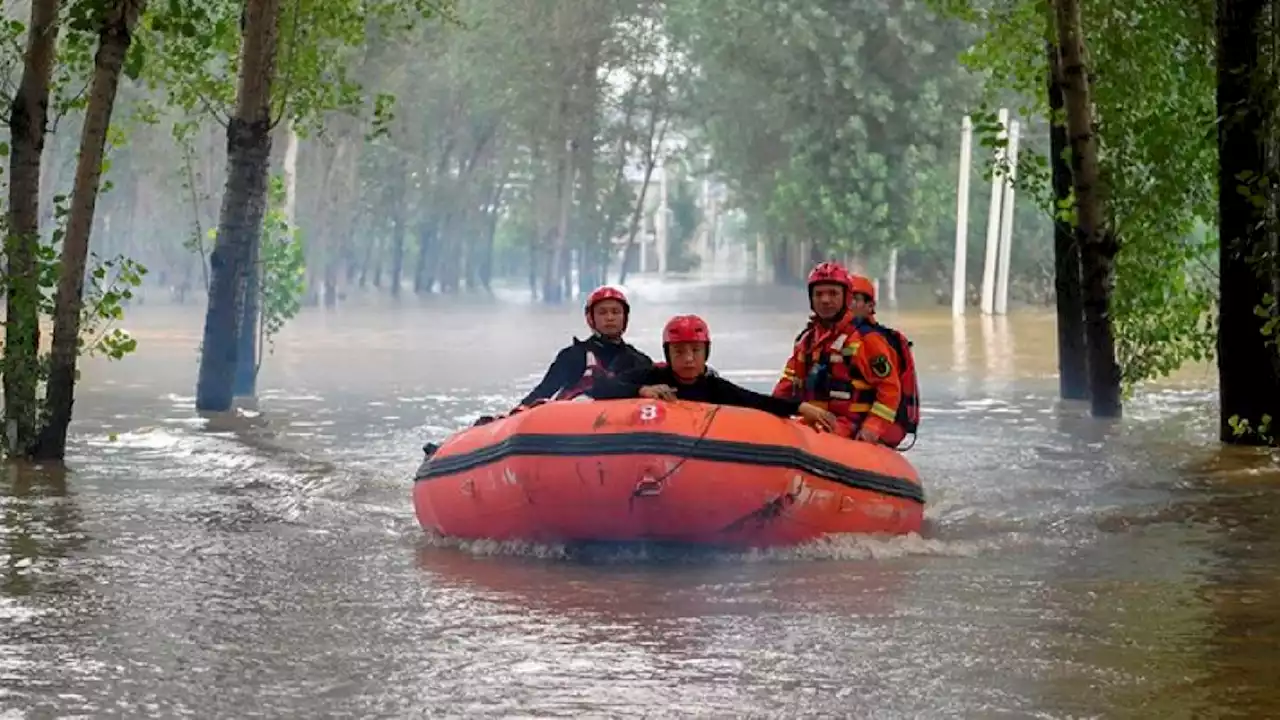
{"x":830,"y":548}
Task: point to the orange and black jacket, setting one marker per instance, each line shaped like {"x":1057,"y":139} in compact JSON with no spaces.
{"x":852,"y":372}
{"x":571,"y":364}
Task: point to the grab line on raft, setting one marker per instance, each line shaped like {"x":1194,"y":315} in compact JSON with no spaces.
{"x":670,"y":444}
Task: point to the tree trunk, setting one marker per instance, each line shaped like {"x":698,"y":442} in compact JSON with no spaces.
{"x":246,"y":379}
{"x":27,"y":116}
{"x":553,"y":279}
{"x":329,"y":297}
{"x":342,"y":209}
{"x":423,"y":277}
{"x":584,"y":163}
{"x":618,"y":199}
{"x":1073,"y":364}
{"x":114,"y":39}
{"x":1098,"y":245}
{"x":1247,"y":365}
{"x":372,"y":260}
{"x":399,"y":219}
{"x":490,"y":230}
{"x":589,"y":256}
{"x":429,"y":225}
{"x":650,"y":161}
{"x":444,"y":268}
{"x":783,"y":269}
{"x":244,"y":203}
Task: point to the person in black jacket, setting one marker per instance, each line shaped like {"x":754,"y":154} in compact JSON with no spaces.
{"x":686,"y":343}
{"x":604,"y":353}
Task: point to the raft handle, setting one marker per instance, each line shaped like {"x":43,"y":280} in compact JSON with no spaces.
{"x":648,"y":487}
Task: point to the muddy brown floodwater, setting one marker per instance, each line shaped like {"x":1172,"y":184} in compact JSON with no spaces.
{"x":1070,"y":568}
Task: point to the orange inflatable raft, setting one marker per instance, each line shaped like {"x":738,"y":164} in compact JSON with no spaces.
{"x":644,"y":470}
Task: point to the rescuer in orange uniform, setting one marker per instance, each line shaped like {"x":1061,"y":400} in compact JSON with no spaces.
{"x":862,"y":298}
{"x":686,"y":344}
{"x":862,"y":302}
{"x":851,"y":372}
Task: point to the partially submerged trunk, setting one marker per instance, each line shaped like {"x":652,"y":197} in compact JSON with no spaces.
{"x":114,"y":39}
{"x":1073,"y":365}
{"x":27,"y":117}
{"x":1098,"y":246}
{"x":247,"y":350}
{"x":250,"y":338}
{"x":244,"y":203}
{"x":1248,"y":376}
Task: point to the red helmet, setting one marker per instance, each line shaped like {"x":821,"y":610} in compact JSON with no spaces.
{"x":859,"y":285}
{"x":686,"y":328}
{"x":828,"y":273}
{"x":600,"y":294}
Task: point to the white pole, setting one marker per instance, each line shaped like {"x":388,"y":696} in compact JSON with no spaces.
{"x":959,"y":267}
{"x":959,"y":348}
{"x":989,"y":359}
{"x":1006,"y":224}
{"x":993,"y":222}
{"x":291,"y":176}
{"x":891,"y":279}
{"x":1004,"y":347}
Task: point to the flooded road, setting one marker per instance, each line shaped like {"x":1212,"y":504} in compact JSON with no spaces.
{"x":1071,"y":568}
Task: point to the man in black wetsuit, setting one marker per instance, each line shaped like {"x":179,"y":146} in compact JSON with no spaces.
{"x":577,"y":366}
{"x":603,"y":354}
{"x":686,"y":343}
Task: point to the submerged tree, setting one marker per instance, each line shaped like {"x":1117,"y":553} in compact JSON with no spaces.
{"x":243,"y":207}
{"x":1154,"y":113}
{"x":28,"y":114}
{"x":115,"y":35}
{"x":1073,"y":363}
{"x":1248,"y":177}
{"x":1097,"y":242}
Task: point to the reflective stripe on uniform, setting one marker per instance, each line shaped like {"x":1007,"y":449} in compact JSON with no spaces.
{"x":883,"y":411}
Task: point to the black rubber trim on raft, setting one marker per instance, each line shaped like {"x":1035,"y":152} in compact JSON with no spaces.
{"x":642,"y":443}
